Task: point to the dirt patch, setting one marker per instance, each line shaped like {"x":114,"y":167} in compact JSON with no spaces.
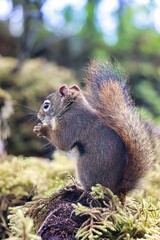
{"x":59,"y":220}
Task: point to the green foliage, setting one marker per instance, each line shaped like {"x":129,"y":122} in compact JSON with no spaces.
{"x":138,"y":219}
{"x":95,"y":226}
{"x":36,"y":78}
{"x":145,"y":78}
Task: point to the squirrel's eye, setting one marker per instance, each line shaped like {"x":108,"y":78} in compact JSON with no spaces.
{"x":46,"y":105}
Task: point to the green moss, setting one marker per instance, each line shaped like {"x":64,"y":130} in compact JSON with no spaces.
{"x":24,"y":227}
{"x":23,"y":179}
{"x":20,"y":175}
{"x":31,"y":185}
{"x":107,"y":218}
{"x":138,"y":219}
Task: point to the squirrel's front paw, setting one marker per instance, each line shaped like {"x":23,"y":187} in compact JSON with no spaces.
{"x":41,"y":130}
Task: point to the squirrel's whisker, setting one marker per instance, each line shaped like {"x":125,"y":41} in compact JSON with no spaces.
{"x":29,"y":108}
{"x":48,"y":146}
{"x":28,"y":118}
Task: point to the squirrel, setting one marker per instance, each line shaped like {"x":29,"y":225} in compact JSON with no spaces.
{"x":100,"y":128}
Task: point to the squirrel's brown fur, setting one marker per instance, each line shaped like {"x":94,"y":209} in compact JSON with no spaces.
{"x":110,"y":97}
{"x":111,"y":144}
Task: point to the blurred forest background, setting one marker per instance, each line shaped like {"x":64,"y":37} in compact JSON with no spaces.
{"x":44,"y":43}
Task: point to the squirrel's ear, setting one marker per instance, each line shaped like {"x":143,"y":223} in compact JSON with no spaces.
{"x":63,"y":90}
{"x":75,"y":87}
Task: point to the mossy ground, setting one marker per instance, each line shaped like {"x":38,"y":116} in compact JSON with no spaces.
{"x":40,"y":197}
{"x":23,"y":179}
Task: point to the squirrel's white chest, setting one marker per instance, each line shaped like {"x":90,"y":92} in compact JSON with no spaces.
{"x":74,"y":155}
{"x":53,"y":123}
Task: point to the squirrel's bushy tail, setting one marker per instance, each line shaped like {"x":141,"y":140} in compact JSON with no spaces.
{"x":154,"y":132}
{"x":111,"y":98}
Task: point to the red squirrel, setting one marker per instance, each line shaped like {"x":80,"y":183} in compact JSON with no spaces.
{"x":101,"y":129}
